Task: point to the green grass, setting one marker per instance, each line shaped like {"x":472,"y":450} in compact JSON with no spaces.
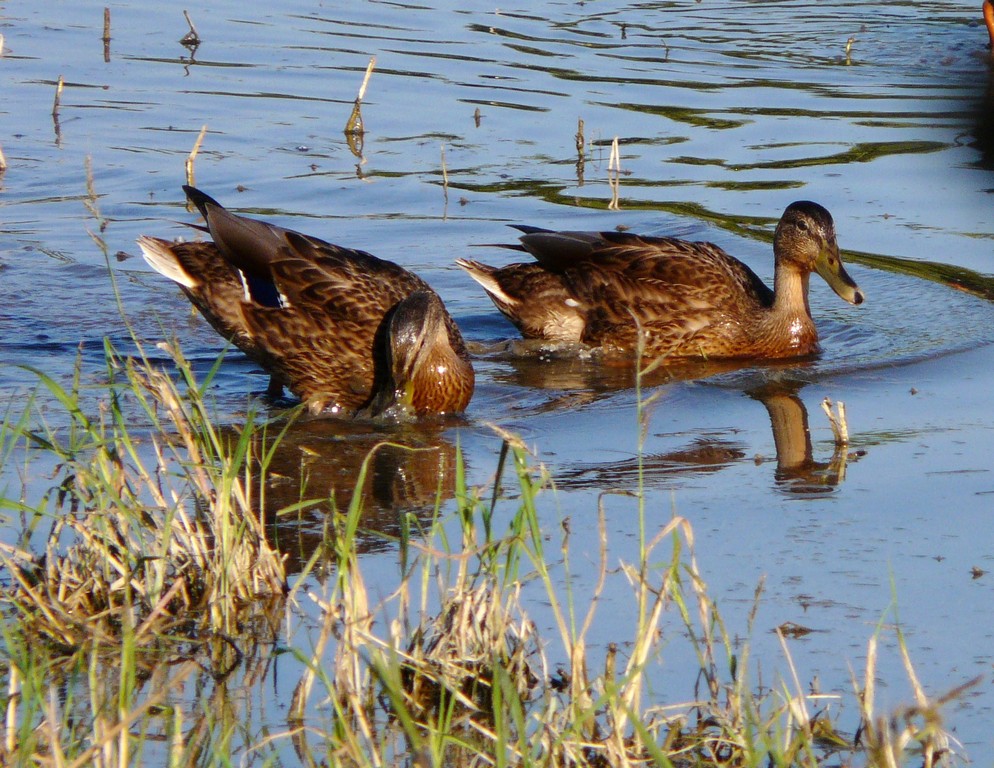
{"x":144,"y":603}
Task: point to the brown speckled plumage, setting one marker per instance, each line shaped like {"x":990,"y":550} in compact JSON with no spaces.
{"x":691,"y":299}
{"x":344,"y":330}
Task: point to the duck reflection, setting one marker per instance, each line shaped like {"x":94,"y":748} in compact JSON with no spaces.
{"x":703,"y":455}
{"x":797,"y":470}
{"x":316,"y":466}
{"x":578,"y":377}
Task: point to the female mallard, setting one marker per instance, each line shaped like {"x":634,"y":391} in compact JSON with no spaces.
{"x":344,"y":330}
{"x":691,"y":299}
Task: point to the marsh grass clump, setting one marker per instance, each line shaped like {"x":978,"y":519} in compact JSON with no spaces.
{"x":150,"y":535}
{"x":450,"y":669}
{"x":146,"y":571}
{"x":451,"y":658}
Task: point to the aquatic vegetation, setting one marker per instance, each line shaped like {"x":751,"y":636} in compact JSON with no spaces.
{"x":139,"y":632}
{"x":151,"y":532}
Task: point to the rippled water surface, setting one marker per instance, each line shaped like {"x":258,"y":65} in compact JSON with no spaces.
{"x":725,"y":112}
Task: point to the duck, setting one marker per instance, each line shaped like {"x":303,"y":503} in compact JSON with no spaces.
{"x":346,"y":332}
{"x":669,"y":299}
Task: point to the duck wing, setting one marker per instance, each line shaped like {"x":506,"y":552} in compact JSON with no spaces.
{"x":672,"y":289}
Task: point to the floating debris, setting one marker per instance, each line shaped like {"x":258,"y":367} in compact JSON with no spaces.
{"x":793,"y":629}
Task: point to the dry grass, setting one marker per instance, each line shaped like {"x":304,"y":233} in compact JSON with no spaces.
{"x":155,"y":576}
{"x":150,"y":540}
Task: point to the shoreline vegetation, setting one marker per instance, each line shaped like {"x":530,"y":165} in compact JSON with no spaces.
{"x":144,"y":603}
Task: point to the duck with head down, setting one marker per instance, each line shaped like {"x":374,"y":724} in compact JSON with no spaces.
{"x":345,"y":331}
{"x":672,"y":298}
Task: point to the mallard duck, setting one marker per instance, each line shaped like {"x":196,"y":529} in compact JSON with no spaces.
{"x":691,"y":299}
{"x":343,"y":330}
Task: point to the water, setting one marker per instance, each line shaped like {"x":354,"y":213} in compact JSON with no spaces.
{"x":725,"y":113}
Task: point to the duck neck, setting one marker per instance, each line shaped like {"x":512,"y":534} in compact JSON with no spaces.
{"x":790,"y":316}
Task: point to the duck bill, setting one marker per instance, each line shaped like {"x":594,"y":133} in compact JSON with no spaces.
{"x":829,"y":266}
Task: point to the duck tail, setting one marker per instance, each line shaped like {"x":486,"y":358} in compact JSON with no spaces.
{"x":160,"y":257}
{"x":487,"y":276}
{"x":202,"y":200}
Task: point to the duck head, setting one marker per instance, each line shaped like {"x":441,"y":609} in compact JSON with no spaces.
{"x":805,"y":237}
{"x":429,"y":368}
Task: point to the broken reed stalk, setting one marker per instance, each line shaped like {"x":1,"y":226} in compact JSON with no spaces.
{"x":191,"y":39}
{"x":614,"y":161}
{"x":10,"y":721}
{"x":106,"y":37}
{"x":445,"y":177}
{"x":193,"y":156}
{"x":354,"y":124}
{"x":614,"y":175}
{"x":58,"y":97}
{"x":581,"y":156}
{"x":838,"y":422}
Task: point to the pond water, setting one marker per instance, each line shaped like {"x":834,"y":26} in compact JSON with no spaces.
{"x":725,"y":112}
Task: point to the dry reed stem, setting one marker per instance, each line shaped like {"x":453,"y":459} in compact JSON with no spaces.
{"x":365,"y":80}
{"x":838,"y":423}
{"x":191,"y":39}
{"x":120,"y":730}
{"x":58,"y":97}
{"x":190,"y":180}
{"x":445,"y":176}
{"x":302,"y":691}
{"x":90,"y":202}
{"x":10,"y":718}
{"x":614,"y":176}
{"x":106,"y":36}
{"x":354,"y":124}
{"x":887,"y":738}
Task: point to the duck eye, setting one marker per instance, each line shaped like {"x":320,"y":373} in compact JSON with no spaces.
{"x":802,"y":225}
